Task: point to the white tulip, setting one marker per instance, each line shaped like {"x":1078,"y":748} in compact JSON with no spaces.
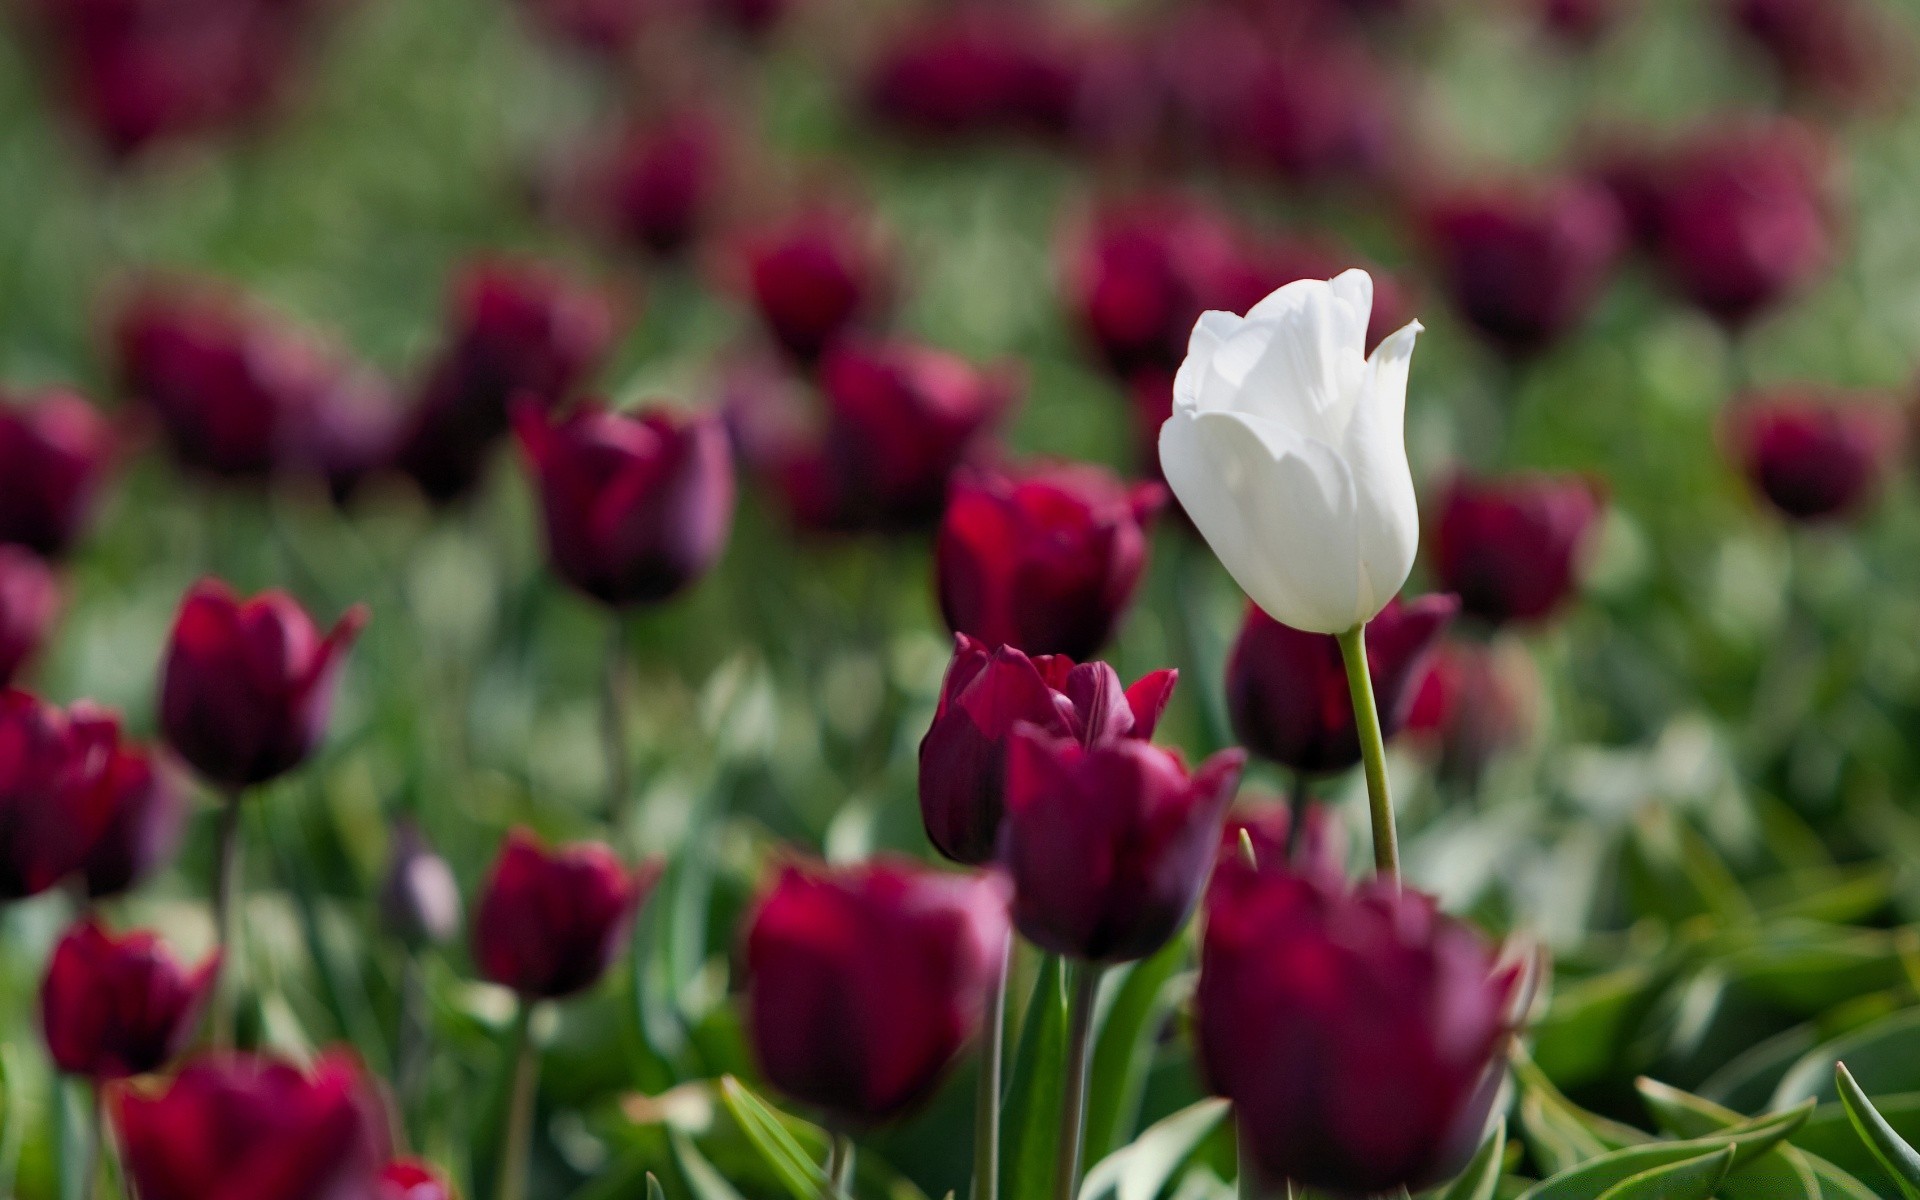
{"x":1287,"y":447}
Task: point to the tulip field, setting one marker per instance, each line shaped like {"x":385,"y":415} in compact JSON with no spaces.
{"x":988,"y":599}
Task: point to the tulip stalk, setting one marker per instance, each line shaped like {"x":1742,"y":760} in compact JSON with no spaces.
{"x":226,"y":899}
{"x":986,"y":1110}
{"x":92,"y":1152}
{"x":1073,"y":1106}
{"x":516,"y":1141}
{"x":1373,"y":750}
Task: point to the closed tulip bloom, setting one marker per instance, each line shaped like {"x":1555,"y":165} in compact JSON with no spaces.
{"x":986,"y":694}
{"x":551,"y":921}
{"x":54,"y":454}
{"x":1848,"y":54}
{"x":118,"y":1006}
{"x":1109,"y":846}
{"x":54,"y":797}
{"x":638,"y":505}
{"x":1287,"y":690}
{"x":1319,"y":111}
{"x":1476,"y":702}
{"x":1742,"y":218}
{"x":248,"y":685}
{"x":1526,"y":264}
{"x":240,"y":1127}
{"x":411,"y":1179}
{"x":980,"y":70}
{"x":1815,"y":456}
{"x":814,"y":279}
{"x":865,"y":982}
{"x":419,"y":898}
{"x":147,"y":814}
{"x":1315,"y":1002}
{"x":1581,"y":22}
{"x":1287,"y":450}
{"x":29,"y":605}
{"x":521,"y":331}
{"x":1512,"y":548}
{"x":655,"y":185}
{"x":901,"y":418}
{"x":1046,"y":560}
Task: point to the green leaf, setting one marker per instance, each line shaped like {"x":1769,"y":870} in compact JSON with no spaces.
{"x":1889,"y":1050}
{"x":703,"y":1180}
{"x":1783,"y":1173}
{"x":1893,"y":1151}
{"x":1030,"y":1118}
{"x":1123,"y":1055}
{"x":1749,"y":1140}
{"x":1560,"y":1133}
{"x":654,"y":1191}
{"x":1691,"y":1179}
{"x":1141,"y":1169}
{"x":1481,"y":1179}
{"x":800,"y":1175}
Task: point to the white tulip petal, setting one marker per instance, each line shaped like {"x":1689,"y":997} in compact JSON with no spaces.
{"x":1212,"y":329}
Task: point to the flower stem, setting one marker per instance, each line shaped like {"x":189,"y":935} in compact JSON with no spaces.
{"x":1373,"y":750}
{"x":613,"y":723}
{"x":986,"y":1108}
{"x":227,"y":902}
{"x":1073,"y":1106}
{"x":516,"y":1141}
{"x":95,"y":1135}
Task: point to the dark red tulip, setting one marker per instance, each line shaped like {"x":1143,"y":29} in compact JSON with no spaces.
{"x":1315,"y":1002}
{"x":248,"y":684}
{"x":1581,"y":22}
{"x":118,"y":1006}
{"x":1742,"y":219}
{"x":411,"y":1179}
{"x":1511,"y":548}
{"x":1526,"y":264}
{"x":148,"y":810}
{"x":1287,"y":690}
{"x":1815,"y":455}
{"x":601,"y":28}
{"x":1848,"y":54}
{"x":1047,"y":559}
{"x":551,"y":921}
{"x":1475,"y":703}
{"x":29,"y":605}
{"x":814,"y":278}
{"x":1312,"y":112}
{"x":900,"y":419}
{"x":638,"y":505}
{"x":1110,"y":845}
{"x":1267,"y":826}
{"x":656,"y":185}
{"x":419,"y":898}
{"x":864,"y":982}
{"x":239,"y":1127}
{"x":54,"y":795}
{"x":54,"y":452}
{"x":521,"y":331}
{"x":235,"y":388}
{"x":978,"y":70}
{"x":751,"y":18}
{"x":988,"y":692}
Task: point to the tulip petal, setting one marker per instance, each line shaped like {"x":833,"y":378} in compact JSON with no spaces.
{"x":1278,"y":508}
{"x":1375,"y":450}
{"x":1210,"y":332}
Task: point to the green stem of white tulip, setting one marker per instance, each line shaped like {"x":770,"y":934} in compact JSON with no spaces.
{"x":1373,"y":750}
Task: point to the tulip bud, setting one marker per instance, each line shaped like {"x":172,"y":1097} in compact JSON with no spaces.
{"x":1511,"y":548}
{"x":520,"y":331}
{"x":815,"y":278}
{"x":901,"y":418}
{"x":1525,"y":265}
{"x":29,"y":605}
{"x":147,"y":812}
{"x":1311,"y":114}
{"x":1314,"y":1002}
{"x":1046,"y":560}
{"x":984,"y":696}
{"x":1110,"y":845}
{"x":244,"y":1126}
{"x":979,"y":70}
{"x":865,"y":982}
{"x":1843,"y":53}
{"x":1581,"y":22}
{"x":1287,"y":691}
{"x":118,"y":1006}
{"x":54,"y":453}
{"x":1815,"y":456}
{"x":656,"y":187}
{"x":410,"y":1179}
{"x":638,"y":505}
{"x":419,"y":899}
{"x":1267,"y":827}
{"x":550,"y":922}
{"x":54,"y":797}
{"x":1475,"y":702}
{"x":247,"y":685}
{"x":1286,"y":448}
{"x":1742,"y":218}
